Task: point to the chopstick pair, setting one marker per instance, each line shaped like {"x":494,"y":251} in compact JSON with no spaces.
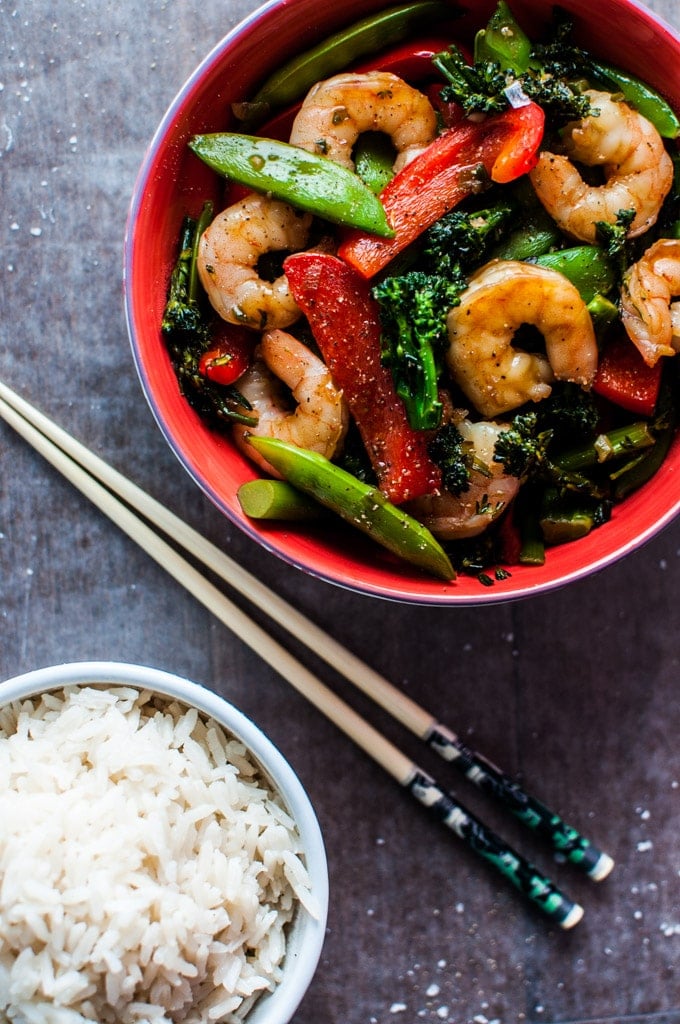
{"x":117,"y":497}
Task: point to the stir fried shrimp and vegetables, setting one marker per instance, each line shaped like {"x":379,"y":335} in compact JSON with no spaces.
{"x":442,"y":293}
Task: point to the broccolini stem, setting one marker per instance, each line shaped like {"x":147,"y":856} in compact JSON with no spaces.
{"x":640,"y":470}
{"x":532,"y":543}
{"x":612,"y":445}
{"x":204,"y":220}
{"x":182,"y":310}
{"x":187,"y":330}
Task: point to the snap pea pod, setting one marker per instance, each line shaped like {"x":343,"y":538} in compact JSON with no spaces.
{"x":645,"y":99}
{"x":586,"y":266}
{"x":527,"y":242}
{"x":536,"y":232}
{"x":503,"y":41}
{"x":374,"y":160}
{"x":276,"y":499}
{"x":357,"y":503}
{"x":306,"y":181}
{"x":290,"y":82}
{"x":603,"y":312}
{"x":559,"y":526}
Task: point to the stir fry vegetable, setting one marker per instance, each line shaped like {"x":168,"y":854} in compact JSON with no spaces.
{"x":292,"y":81}
{"x":451,"y":169}
{"x":310,"y":182}
{"x":478,"y":260}
{"x":363,"y":506}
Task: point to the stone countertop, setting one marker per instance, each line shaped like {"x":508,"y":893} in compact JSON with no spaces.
{"x":576,"y":691}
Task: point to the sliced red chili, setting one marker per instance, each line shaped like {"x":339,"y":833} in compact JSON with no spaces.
{"x":230,"y":356}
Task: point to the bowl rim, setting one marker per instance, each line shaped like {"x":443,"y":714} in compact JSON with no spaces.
{"x":359,"y":577}
{"x":307,"y":936}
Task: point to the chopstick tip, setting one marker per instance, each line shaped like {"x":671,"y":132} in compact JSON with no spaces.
{"x":602,"y":867}
{"x":573,"y":917}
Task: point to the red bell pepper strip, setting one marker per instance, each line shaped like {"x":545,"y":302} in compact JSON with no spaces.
{"x":344,"y":319}
{"x":625,"y":379}
{"x":504,"y":145}
{"x":411,"y":61}
{"x":229,"y":356}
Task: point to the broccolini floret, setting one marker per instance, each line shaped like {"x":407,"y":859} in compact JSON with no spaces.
{"x":183,"y":313}
{"x":614,"y":240}
{"x":449,"y":450}
{"x":570,"y":412}
{"x":413,"y":309}
{"x":187,"y":332}
{"x":414,"y":306}
{"x":548,"y":74}
{"x":523,"y":447}
{"x":462,"y":239}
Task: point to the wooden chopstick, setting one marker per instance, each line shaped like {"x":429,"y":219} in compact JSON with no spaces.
{"x":472,"y":764}
{"x":97,"y":481}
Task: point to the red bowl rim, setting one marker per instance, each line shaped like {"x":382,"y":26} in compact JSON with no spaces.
{"x":564,"y":564}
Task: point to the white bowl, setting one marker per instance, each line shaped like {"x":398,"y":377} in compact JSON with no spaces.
{"x":307,"y":933}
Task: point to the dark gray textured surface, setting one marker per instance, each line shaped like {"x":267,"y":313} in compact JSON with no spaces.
{"x":576,"y":691}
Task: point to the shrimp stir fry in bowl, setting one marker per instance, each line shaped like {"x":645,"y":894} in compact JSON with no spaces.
{"x":435,"y":287}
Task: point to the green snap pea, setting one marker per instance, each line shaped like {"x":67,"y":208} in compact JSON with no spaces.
{"x":276,"y":499}
{"x":373,"y":33}
{"x":536,"y":231}
{"x":561,"y":526}
{"x":645,"y":99}
{"x":527,"y":242}
{"x":374,"y":157}
{"x":603,"y":312}
{"x":306,"y":181}
{"x":503,"y":42}
{"x":586,"y":266}
{"x":363,"y":506}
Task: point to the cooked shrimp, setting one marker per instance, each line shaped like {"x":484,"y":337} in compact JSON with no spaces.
{"x":649,"y":315}
{"x":501,"y":296}
{"x":228,"y":255}
{"x":491,"y":490}
{"x":337,"y":110}
{"x":638,"y":171}
{"x":320,"y":418}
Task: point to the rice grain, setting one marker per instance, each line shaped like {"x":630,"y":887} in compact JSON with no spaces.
{"x":147,"y":871}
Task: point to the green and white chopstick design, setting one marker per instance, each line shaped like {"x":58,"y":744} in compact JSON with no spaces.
{"x":117,"y":497}
{"x":535,"y":815}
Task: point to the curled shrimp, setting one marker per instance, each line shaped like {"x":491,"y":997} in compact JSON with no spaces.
{"x":320,"y":417}
{"x":228,"y":256}
{"x":502,"y":296}
{"x":337,"y":110}
{"x":649,"y":315}
{"x":638,"y":171}
{"x":455,"y":517}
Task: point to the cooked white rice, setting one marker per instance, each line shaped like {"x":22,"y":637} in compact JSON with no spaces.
{"x":147,"y":872}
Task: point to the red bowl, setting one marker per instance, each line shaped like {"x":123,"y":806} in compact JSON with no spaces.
{"x":172,"y":183}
